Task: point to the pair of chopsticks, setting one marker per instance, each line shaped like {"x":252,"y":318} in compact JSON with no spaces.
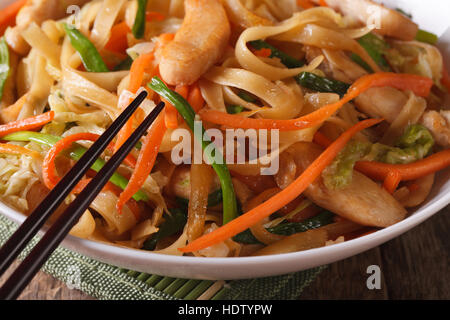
{"x":61,"y":227}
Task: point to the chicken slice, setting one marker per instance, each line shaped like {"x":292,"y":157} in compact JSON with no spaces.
{"x":363,"y":201}
{"x":198,"y":44}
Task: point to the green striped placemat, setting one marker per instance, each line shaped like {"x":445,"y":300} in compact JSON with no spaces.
{"x":104,"y":281}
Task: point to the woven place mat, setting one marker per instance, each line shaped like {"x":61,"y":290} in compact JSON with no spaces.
{"x":108,"y":282}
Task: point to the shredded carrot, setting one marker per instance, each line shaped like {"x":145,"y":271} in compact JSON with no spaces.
{"x":171,"y":113}
{"x":392,"y":180}
{"x":154,"y":16}
{"x":305,"y":4}
{"x":411,"y":171}
{"x":81,"y":185}
{"x":11,"y":113}
{"x":27,"y":124}
{"x":137,"y":72}
{"x":195,"y":98}
{"x":134,"y":207}
{"x":8,"y":15}
{"x":18,"y":150}
{"x":118,"y":41}
{"x":421,"y":86}
{"x":321,"y":139}
{"x":323,"y":3}
{"x":141,"y":65}
{"x":263,"y":53}
{"x":48,"y":166}
{"x":282,"y":198}
{"x":145,"y":161}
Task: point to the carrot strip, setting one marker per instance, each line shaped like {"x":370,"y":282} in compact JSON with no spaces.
{"x":305,"y":4}
{"x":421,"y":86}
{"x":321,"y":139}
{"x":323,"y":3}
{"x":171,"y":114}
{"x":137,"y":72}
{"x":8,"y":15}
{"x":11,"y":112}
{"x":118,"y":41}
{"x":145,"y":161}
{"x":27,"y":124}
{"x":392,"y":181}
{"x":263,"y":53}
{"x":411,"y":171}
{"x":282,"y":198}
{"x":48,"y":166}
{"x":154,"y":16}
{"x":195,"y":98}
{"x":18,"y":150}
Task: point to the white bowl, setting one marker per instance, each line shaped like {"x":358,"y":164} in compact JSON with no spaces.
{"x":432,"y":16}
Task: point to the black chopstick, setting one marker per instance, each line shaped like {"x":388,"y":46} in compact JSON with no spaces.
{"x":61,"y":227}
{"x":12,"y":248}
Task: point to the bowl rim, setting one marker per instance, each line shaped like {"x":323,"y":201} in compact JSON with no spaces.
{"x":241,"y":267}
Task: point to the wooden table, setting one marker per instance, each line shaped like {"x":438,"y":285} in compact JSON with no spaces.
{"x":413,"y":266}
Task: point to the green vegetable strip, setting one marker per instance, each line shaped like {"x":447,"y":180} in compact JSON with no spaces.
{"x":235,"y":109}
{"x":247,"y":96}
{"x":188,"y":114}
{"x":139,"y":22}
{"x":75,"y":154}
{"x":90,"y":57}
{"x":375,"y":47}
{"x":285,"y":59}
{"x":289,"y":228}
{"x":124,"y":64}
{"x":427,"y":37}
{"x":172,"y":224}
{"x":4,"y":65}
{"x":314,"y":82}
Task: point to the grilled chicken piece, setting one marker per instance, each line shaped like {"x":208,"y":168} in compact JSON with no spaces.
{"x":439,"y":125}
{"x":363,"y":201}
{"x":391,"y":23}
{"x":199,"y":43}
{"x":36,"y":11}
